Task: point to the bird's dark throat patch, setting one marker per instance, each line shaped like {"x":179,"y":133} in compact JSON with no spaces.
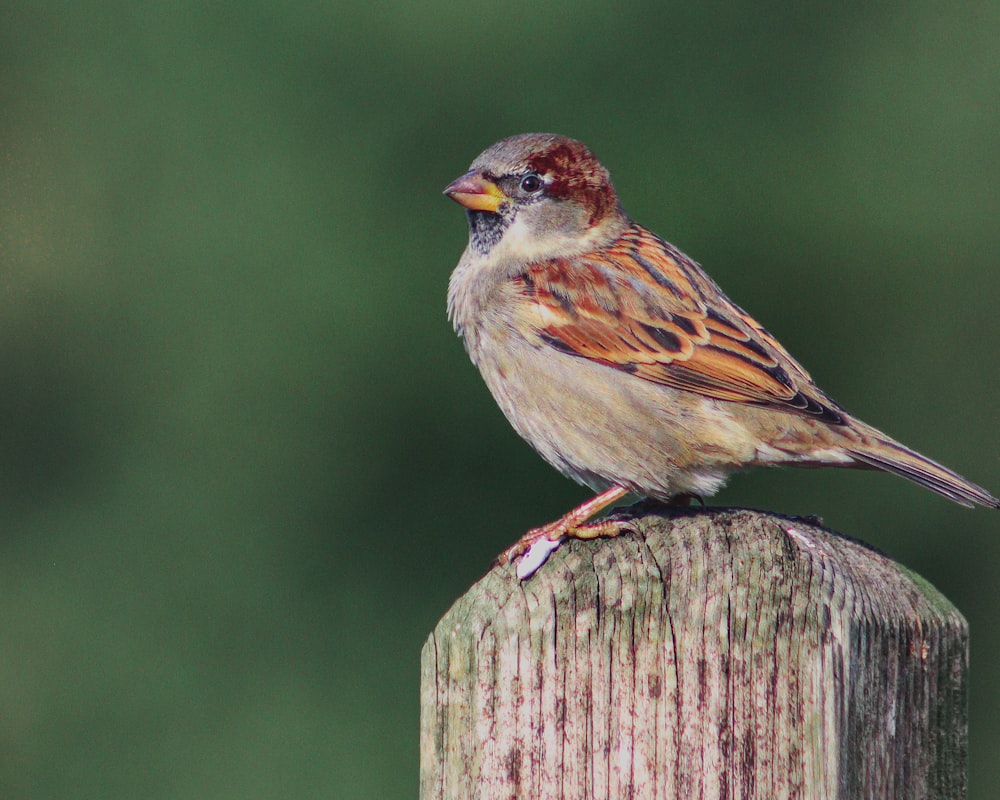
{"x":486,"y":229}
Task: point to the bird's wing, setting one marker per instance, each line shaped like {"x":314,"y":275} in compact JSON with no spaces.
{"x":643,"y":307}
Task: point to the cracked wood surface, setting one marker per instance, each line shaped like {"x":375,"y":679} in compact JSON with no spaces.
{"x":715,"y":654}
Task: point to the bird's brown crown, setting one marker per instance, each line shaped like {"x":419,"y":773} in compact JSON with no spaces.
{"x":571,"y":171}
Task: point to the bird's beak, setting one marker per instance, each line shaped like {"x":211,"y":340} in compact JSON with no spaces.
{"x":475,"y":192}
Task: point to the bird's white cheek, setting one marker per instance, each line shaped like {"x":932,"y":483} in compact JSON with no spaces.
{"x":522,"y":243}
{"x":526,"y":243}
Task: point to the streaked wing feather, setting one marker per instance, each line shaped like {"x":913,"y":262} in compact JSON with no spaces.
{"x":643,"y":307}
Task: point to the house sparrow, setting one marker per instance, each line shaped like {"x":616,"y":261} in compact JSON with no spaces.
{"x":620,"y":361}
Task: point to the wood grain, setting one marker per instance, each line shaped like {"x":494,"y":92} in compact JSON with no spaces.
{"x":714,"y":654}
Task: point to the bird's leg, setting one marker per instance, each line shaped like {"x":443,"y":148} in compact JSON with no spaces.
{"x":572,"y":524}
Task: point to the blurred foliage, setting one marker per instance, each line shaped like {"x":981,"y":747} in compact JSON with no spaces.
{"x":245,"y":464}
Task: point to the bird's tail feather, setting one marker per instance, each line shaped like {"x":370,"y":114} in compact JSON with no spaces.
{"x":891,"y":456}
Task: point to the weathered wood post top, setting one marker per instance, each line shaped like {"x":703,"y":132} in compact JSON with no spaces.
{"x":715,"y":654}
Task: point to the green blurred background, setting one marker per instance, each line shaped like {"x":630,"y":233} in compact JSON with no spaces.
{"x":245,"y":465}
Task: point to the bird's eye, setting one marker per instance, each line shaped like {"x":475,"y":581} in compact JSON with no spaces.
{"x":531,"y":183}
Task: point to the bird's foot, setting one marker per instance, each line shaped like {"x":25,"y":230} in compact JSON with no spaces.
{"x":534,"y":548}
{"x":538,"y":544}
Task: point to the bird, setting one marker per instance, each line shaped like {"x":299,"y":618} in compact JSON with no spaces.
{"x":620,"y":361}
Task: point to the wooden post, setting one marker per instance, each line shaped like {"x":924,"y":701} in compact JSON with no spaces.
{"x":716,"y":654}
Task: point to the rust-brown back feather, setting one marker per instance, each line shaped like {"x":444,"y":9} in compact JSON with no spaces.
{"x":664,"y":320}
